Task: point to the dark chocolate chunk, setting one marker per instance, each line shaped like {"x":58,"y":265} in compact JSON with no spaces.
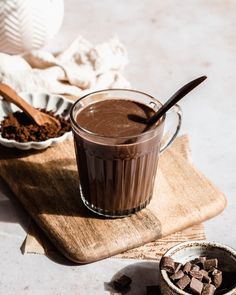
{"x":196,"y":274}
{"x":199,"y":261}
{"x":177,"y":275}
{"x":201,"y":276}
{"x":209,"y":264}
{"x":183,"y":282}
{"x":195,"y":267}
{"x":206,"y":278}
{"x":210,"y":271}
{"x":178,"y":266}
{"x":216,"y":277}
{"x":208,"y":289}
{"x":168,"y":264}
{"x":153,"y":290}
{"x":122,"y":283}
{"x":187,"y":267}
{"x":196,"y":286}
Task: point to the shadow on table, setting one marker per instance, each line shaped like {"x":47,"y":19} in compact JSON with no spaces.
{"x":50,"y":187}
{"x":36,"y":242}
{"x":11,"y":210}
{"x":142,"y":274}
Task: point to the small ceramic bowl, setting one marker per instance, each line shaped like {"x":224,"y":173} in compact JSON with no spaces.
{"x":51,"y":102}
{"x":187,"y":251}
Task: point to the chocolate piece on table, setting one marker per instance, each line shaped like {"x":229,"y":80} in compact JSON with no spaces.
{"x":168,"y":264}
{"x":153,"y":290}
{"x":122,"y":283}
{"x":196,"y":274}
{"x":178,"y":266}
{"x":209,"y":264}
{"x":183,"y":282}
{"x":195,"y":267}
{"x":216,"y":277}
{"x":196,"y":286}
{"x":177,"y":275}
{"x":187,"y":267}
{"x":208,"y":289}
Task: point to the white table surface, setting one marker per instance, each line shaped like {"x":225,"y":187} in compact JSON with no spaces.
{"x":169,"y":43}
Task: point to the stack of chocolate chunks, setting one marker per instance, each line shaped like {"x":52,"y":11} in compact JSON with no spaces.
{"x":199,"y":276}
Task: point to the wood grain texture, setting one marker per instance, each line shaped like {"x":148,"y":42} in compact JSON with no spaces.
{"x":36,"y":242}
{"x":46,"y":183}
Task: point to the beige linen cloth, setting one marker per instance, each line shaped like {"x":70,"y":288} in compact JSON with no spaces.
{"x":80,"y":68}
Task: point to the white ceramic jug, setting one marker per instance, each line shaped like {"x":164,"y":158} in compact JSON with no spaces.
{"x":28,"y":24}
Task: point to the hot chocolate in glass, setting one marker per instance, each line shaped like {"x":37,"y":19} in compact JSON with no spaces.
{"x":117,"y":157}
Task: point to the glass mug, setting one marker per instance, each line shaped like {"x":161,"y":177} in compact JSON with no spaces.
{"x":117,"y":174}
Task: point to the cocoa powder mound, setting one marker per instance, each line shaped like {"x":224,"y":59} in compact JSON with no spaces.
{"x":19,"y":126}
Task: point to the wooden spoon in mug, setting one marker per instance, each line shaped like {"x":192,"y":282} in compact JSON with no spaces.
{"x":38,"y":117}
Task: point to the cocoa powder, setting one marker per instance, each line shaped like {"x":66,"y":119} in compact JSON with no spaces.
{"x":19,"y":126}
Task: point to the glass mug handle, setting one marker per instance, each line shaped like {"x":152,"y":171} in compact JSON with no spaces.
{"x":173,"y":122}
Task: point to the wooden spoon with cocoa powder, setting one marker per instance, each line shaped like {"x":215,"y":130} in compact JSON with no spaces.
{"x":38,"y":117}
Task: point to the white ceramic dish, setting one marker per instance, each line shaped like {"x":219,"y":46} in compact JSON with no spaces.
{"x":51,"y":102}
{"x":187,"y":251}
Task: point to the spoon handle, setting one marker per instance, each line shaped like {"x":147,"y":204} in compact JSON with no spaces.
{"x":9,"y":94}
{"x":175,"y":98}
{"x":36,"y":115}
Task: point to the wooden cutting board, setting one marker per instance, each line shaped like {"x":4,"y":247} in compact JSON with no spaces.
{"x":46,"y":183}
